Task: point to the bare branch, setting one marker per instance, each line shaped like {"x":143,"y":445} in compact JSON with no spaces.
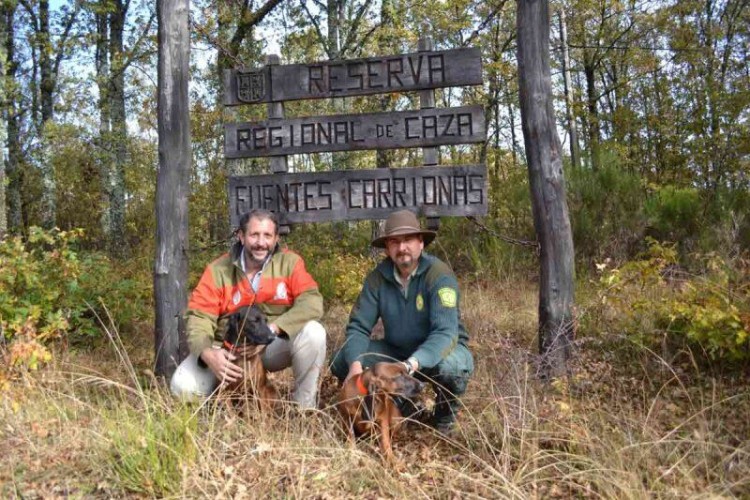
{"x":355,"y":26}
{"x":316,"y":25}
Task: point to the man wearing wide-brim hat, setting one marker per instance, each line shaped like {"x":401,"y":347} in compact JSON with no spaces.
{"x":416,"y":295}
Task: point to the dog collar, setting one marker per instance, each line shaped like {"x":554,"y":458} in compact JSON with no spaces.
{"x":361,"y":386}
{"x":228,"y":346}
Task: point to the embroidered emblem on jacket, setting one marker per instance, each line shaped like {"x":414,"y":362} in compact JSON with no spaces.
{"x":447,"y":297}
{"x":236,"y":297}
{"x":281,"y":293}
{"x":420,"y":302}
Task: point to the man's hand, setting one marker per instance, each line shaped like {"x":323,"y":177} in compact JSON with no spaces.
{"x":411,"y":365}
{"x":220,"y":362}
{"x":354,"y":370}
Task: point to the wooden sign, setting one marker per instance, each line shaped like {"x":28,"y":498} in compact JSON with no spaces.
{"x":404,"y":129}
{"x":353,"y":77}
{"x":362,"y":194}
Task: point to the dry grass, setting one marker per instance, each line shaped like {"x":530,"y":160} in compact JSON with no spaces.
{"x":97,"y":425}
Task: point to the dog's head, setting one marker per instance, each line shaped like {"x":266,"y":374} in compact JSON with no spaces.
{"x":248,"y":326}
{"x":393,"y":379}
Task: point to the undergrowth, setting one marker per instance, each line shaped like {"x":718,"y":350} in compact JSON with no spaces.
{"x":96,"y":424}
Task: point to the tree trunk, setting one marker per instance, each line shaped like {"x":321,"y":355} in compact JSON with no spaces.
{"x":3,"y":123}
{"x":550,"y":209}
{"x":46,"y":95}
{"x":10,"y":116}
{"x":575,"y":156}
{"x":104,"y":157}
{"x":117,"y":240}
{"x":172,"y":188}
{"x":593,"y":112}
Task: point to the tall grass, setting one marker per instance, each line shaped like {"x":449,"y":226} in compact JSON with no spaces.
{"x":97,"y":425}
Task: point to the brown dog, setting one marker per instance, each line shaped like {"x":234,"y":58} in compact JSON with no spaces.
{"x":366,"y":404}
{"x":247,"y":336}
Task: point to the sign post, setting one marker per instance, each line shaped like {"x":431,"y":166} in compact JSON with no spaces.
{"x":432,"y":191}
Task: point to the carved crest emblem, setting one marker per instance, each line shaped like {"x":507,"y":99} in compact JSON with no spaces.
{"x":251,"y":85}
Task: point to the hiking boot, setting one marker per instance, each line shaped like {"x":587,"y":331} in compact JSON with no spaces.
{"x":446,"y":429}
{"x":444,"y":414}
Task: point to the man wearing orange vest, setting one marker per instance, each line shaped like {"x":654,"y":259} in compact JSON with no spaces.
{"x":255,"y":271}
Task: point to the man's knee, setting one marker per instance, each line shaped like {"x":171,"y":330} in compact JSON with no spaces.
{"x":190,"y":380}
{"x":312,"y":337}
{"x":453,"y":373}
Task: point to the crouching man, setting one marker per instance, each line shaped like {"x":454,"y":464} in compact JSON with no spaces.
{"x":417,"y":297}
{"x":255,"y":271}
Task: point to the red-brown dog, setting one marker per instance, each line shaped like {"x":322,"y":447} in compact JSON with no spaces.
{"x":247,"y":336}
{"x":366,"y":404}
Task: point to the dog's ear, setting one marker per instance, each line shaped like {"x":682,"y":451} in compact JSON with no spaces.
{"x":374,"y":383}
{"x":233,"y":328}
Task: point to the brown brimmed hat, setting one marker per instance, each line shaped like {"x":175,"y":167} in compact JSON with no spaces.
{"x":402,"y":223}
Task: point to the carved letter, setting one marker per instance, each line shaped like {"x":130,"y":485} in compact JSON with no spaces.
{"x":429,"y":124}
{"x":409,"y":135}
{"x":436,"y":67}
{"x":315,"y":77}
{"x":416,"y":73}
{"x":446,"y":129}
{"x":243,"y":139}
{"x":307,"y":133}
{"x":275,"y":140}
{"x":350,"y":192}
{"x":324,"y":195}
{"x":359,"y":85}
{"x":395,"y":68}
{"x":384,"y":189}
{"x":372,"y":74}
{"x":464,"y":121}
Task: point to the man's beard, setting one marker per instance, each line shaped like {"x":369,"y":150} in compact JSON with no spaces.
{"x":404,"y":260}
{"x":252,"y":259}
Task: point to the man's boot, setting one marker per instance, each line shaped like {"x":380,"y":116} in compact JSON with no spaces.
{"x":444,"y":414}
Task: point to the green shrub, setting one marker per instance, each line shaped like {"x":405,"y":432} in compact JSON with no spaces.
{"x":479,"y":250}
{"x":50,"y":291}
{"x":340,"y":277}
{"x":658,"y":303}
{"x":675,"y":213}
{"x":605,"y":211}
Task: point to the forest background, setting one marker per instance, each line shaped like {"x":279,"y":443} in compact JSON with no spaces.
{"x":652,"y":105}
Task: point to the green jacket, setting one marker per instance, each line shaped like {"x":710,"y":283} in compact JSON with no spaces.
{"x":287,"y":295}
{"x":426,"y":324}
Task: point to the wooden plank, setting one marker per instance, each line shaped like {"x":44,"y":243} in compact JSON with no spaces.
{"x":372,"y":75}
{"x":427,"y":101}
{"x":362,"y":194}
{"x":398,"y":129}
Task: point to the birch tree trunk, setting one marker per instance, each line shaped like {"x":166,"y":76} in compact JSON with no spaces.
{"x":119,"y":128}
{"x":171,"y":263}
{"x":46,"y":94}
{"x":575,"y":155}
{"x":3,"y":125}
{"x":103,"y":157}
{"x":550,"y":208}
{"x":10,"y":118}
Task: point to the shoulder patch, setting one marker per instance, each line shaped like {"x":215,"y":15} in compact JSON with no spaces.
{"x":448,"y":297}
